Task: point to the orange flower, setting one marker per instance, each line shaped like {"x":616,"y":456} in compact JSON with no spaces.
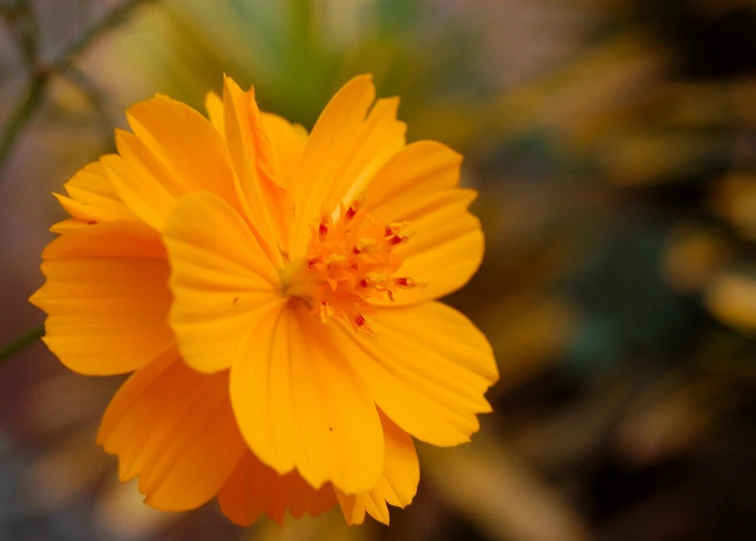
{"x":272,"y":291}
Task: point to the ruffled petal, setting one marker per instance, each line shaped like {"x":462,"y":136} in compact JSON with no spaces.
{"x":286,"y":139}
{"x":427,"y":367}
{"x":174,"y":429}
{"x":174,"y":151}
{"x":106,"y":297}
{"x":267,"y":205}
{"x":352,"y":507}
{"x":345,"y":149}
{"x":255,"y":489}
{"x":398,"y":484}
{"x":401,"y":473}
{"x":222,"y":283}
{"x":299,"y":404}
{"x":419,"y":185}
{"x":142,"y":186}
{"x":92,"y":198}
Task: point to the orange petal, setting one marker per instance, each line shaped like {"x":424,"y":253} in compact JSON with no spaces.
{"x":174,"y":429}
{"x":288,"y":142}
{"x":67,"y":225}
{"x":268,"y":207}
{"x":380,"y":138}
{"x":422,"y":168}
{"x":346,"y":147}
{"x":427,"y":367}
{"x":222,"y":282}
{"x":254,"y":489}
{"x":178,"y":149}
{"x":93,"y":198}
{"x":214,"y":108}
{"x":299,"y":404}
{"x":418,"y":185}
{"x":352,"y":507}
{"x":398,"y":484}
{"x":401,"y":473}
{"x":144,"y":189}
{"x":106,"y":297}
{"x":444,"y":253}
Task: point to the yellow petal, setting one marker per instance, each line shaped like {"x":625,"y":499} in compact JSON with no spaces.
{"x":445,"y":252}
{"x":254,"y":489}
{"x":191,"y":154}
{"x":145,"y":181}
{"x":398,"y":484}
{"x":381,"y":137}
{"x":174,"y":429}
{"x":69,"y":224}
{"x":106,"y":297}
{"x":346,"y":147}
{"x":267,"y":205}
{"x":401,"y":473}
{"x":221,"y":280}
{"x":214,"y":107}
{"x":352,"y":507}
{"x":142,"y":183}
{"x":288,"y":141}
{"x":299,"y":404}
{"x":427,"y":367}
{"x":422,"y":168}
{"x":419,"y":186}
{"x":92,"y":198}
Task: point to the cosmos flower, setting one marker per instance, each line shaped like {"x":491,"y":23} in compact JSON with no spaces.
{"x":272,"y":292}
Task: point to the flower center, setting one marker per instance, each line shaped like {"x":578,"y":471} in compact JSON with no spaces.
{"x":348,"y":262}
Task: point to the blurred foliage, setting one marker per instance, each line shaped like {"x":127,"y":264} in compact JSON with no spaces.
{"x":613,"y":145}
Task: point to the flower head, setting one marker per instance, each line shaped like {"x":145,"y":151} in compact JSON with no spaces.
{"x":272,"y":292}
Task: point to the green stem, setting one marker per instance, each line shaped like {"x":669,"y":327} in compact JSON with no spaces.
{"x":113,"y":18}
{"x":21,"y":343}
{"x":20,"y":117}
{"x":42,"y":74}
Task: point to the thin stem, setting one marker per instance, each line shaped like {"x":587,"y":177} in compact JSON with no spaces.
{"x":114,"y":17}
{"x":40,"y":74}
{"x":20,"y":117}
{"x":88,"y":88}
{"x":21,"y":343}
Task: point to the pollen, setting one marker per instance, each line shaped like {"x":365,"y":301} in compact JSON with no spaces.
{"x":350,"y":261}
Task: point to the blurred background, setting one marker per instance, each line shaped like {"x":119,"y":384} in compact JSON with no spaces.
{"x":614,"y":146}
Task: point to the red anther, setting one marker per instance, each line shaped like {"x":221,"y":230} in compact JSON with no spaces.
{"x":354,"y":208}
{"x":350,"y":264}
